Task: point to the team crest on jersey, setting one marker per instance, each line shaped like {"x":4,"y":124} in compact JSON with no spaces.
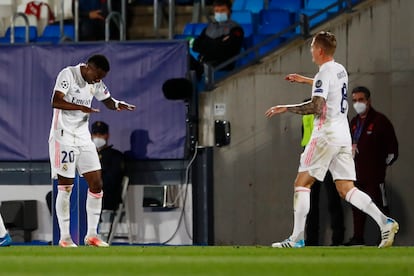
{"x":64,"y":84}
{"x":318,"y":83}
{"x":65,"y":167}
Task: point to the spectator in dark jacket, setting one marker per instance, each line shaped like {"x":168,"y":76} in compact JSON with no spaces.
{"x":113,"y":166}
{"x":375,"y":147}
{"x":219,"y":41}
{"x":92,"y":14}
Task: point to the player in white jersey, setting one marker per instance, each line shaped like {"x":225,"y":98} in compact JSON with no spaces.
{"x":70,"y":144}
{"x":330,"y":145}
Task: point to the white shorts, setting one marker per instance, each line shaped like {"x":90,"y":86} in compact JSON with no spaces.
{"x":319,"y":157}
{"x":64,"y":160}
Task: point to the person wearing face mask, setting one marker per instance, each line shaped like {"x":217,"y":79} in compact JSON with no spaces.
{"x":221,"y":40}
{"x":374,"y":147}
{"x":113,"y":168}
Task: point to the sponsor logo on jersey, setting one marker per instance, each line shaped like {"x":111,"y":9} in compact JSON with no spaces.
{"x":85,"y":102}
{"x":318,"y":83}
{"x":65,"y":167}
{"x":319,"y":90}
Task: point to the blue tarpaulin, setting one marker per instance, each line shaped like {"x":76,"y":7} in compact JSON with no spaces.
{"x":138,"y":70}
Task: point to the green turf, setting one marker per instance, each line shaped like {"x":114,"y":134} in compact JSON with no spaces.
{"x":195,"y":260}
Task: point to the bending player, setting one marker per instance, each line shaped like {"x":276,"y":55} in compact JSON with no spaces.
{"x":330,"y":145}
{"x":70,"y":143}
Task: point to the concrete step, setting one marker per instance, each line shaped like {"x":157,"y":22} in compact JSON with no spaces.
{"x":142,"y":21}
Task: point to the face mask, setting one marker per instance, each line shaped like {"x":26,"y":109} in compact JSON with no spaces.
{"x":99,"y":142}
{"x":360,"y":107}
{"x":220,"y":17}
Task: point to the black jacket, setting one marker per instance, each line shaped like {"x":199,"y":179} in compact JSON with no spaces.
{"x":113,"y":170}
{"x":218,"y":42}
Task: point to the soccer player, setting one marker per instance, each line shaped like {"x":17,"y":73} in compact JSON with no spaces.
{"x":330,"y":146}
{"x":70,"y":143}
{"x":5,"y":239}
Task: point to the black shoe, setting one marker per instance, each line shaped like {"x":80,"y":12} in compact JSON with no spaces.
{"x":355,"y":242}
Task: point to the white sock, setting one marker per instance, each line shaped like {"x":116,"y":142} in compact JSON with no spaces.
{"x":364,"y":203}
{"x":301,"y":205}
{"x":93,"y":211}
{"x":63,"y":210}
{"x":3,"y":230}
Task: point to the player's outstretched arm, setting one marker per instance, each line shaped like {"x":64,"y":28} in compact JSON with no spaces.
{"x":59,"y":103}
{"x":113,"y":104}
{"x":277,"y":109}
{"x":314,"y":106}
{"x":299,"y":78}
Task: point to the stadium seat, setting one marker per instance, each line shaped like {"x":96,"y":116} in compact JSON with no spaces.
{"x":239,"y":5}
{"x":37,"y":17}
{"x":254,"y":6}
{"x":242,"y":17}
{"x":19,"y":34}
{"x":291,"y":5}
{"x":194,"y":29}
{"x":248,"y":35}
{"x":312,"y":7}
{"x":273,"y":21}
{"x":51,"y":33}
{"x":191,"y":30}
{"x":199,"y":27}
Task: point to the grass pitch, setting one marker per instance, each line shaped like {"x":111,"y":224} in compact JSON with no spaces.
{"x":198,"y":260}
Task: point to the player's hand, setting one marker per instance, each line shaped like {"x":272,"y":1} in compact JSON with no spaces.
{"x":96,"y":14}
{"x":278,"y":109}
{"x":295,"y":78}
{"x":125,"y":106}
{"x":86,"y":109}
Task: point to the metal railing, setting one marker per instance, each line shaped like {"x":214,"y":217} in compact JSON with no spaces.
{"x":119,"y":22}
{"x":158,"y":17}
{"x":119,"y":19}
{"x":303,"y":23}
{"x":13,"y":25}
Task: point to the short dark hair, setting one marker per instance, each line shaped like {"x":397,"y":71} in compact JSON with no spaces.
{"x":100,"y":127}
{"x":100,"y":61}
{"x":362,"y":89}
{"x":222,"y":3}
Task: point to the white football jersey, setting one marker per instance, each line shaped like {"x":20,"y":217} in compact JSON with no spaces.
{"x":71,"y":127}
{"x":331,"y":83}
